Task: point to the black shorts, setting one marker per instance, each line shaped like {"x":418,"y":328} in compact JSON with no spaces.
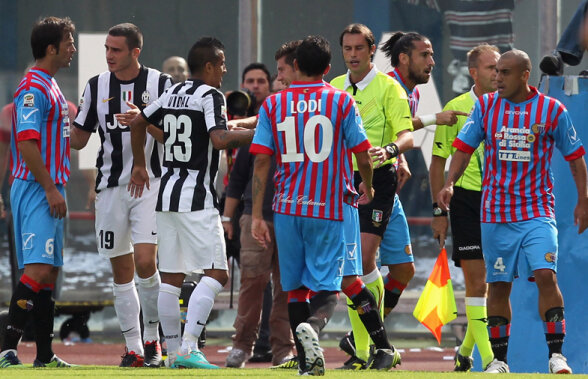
{"x":465,"y":224}
{"x":374,"y":217}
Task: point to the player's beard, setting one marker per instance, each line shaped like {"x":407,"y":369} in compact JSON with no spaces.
{"x":417,"y":77}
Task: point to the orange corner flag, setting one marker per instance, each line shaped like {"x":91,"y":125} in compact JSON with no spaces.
{"x":436,"y":306}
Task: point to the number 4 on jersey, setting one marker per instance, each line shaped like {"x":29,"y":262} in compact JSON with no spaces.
{"x":499,"y":265}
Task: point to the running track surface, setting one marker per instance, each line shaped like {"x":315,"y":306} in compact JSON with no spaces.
{"x":110,"y":354}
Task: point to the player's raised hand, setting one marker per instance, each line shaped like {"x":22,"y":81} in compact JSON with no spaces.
{"x":139,"y":179}
{"x":129,"y":115}
{"x":260,"y":232}
{"x":448,"y":117}
{"x":581,"y":215}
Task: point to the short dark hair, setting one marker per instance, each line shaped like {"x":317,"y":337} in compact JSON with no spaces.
{"x":401,"y":42}
{"x":49,"y":31}
{"x":358,"y":29}
{"x":288,"y":50}
{"x":206,"y":49}
{"x":313,"y":55}
{"x":474,"y":54}
{"x":256,"y":66}
{"x":131,"y":32}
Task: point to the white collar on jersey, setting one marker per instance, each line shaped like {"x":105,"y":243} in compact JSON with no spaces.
{"x":473,"y":94}
{"x":364,"y":82}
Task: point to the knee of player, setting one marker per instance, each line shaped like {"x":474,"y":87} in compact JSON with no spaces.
{"x":221,"y":276}
{"x":545,"y":278}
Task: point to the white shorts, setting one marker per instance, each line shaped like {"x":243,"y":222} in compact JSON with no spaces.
{"x":191,"y":241}
{"x":122,"y":221}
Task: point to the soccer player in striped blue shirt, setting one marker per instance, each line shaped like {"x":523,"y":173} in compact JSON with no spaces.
{"x":40,"y":167}
{"x":313,"y":129}
{"x":520,"y":127}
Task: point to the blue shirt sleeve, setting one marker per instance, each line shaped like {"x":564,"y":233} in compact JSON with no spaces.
{"x":263,"y":132}
{"x":566,"y":139}
{"x":31,"y":110}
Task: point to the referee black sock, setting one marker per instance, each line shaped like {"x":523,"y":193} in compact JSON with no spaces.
{"x":21,"y":304}
{"x":44,"y":314}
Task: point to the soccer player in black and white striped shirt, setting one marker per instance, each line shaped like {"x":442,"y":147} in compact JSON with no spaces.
{"x":126,"y":231}
{"x":191,"y":236}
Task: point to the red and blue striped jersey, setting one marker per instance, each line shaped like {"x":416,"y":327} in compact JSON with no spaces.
{"x":41,"y":113}
{"x":519,"y":138}
{"x":413,"y":96}
{"x":313,"y":129}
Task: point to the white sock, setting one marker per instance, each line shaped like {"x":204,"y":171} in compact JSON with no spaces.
{"x":148,"y":289}
{"x":199,"y":306}
{"x":168,"y":305}
{"x":371,"y":277}
{"x":126,"y":306}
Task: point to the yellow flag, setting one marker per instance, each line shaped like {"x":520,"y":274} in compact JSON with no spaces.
{"x":436,"y":306}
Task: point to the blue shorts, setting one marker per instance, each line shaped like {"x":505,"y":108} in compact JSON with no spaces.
{"x":352,"y":264}
{"x":395,"y":247}
{"x":38,"y":236}
{"x":534,"y":241}
{"x":311,"y":252}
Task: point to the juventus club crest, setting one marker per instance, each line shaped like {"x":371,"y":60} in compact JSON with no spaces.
{"x":145,"y":97}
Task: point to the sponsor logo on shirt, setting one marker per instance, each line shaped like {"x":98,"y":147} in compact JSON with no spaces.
{"x":300,"y":200}
{"x":550,"y":257}
{"x":29,"y":116}
{"x":517,"y":112}
{"x":514,"y":155}
{"x":514,"y":137}
{"x":408,"y":249}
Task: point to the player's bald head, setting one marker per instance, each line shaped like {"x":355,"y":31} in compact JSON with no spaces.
{"x":520,"y":58}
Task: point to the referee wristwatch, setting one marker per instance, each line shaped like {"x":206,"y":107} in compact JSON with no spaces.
{"x":392,"y":149}
{"x":438,"y":212}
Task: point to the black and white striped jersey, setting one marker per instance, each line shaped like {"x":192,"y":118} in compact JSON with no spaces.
{"x":188,"y":111}
{"x":103,"y":97}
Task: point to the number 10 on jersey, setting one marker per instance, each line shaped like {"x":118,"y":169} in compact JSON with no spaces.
{"x":288,"y":126}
